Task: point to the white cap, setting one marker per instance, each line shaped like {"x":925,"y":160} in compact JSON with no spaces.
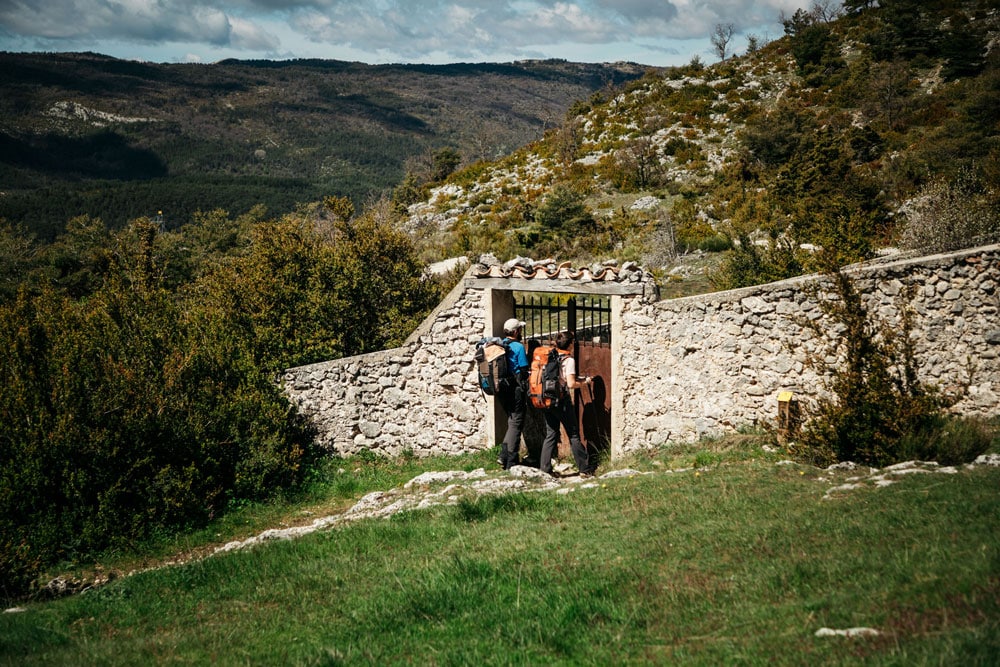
{"x":512,"y":325}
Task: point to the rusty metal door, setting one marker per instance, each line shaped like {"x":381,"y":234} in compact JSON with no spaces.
{"x":594,"y":401}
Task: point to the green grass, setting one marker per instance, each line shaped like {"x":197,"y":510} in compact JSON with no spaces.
{"x":333,"y":486}
{"x":739,"y":562}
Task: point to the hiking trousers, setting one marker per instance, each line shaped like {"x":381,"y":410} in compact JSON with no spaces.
{"x":514,"y":402}
{"x":563,"y":414}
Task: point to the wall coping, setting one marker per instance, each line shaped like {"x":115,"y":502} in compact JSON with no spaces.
{"x":860,"y":269}
{"x":472,"y":279}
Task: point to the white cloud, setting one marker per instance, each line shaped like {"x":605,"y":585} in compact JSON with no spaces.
{"x":251,"y":37}
{"x":381,"y":30}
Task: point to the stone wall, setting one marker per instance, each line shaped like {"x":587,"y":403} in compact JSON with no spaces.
{"x":684,"y":368}
{"x":709,"y":364}
{"x":421,"y":396}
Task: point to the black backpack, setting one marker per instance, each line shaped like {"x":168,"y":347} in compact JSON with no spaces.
{"x":553,"y":386}
{"x":491,"y":365}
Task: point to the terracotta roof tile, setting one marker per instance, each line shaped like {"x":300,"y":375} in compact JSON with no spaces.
{"x":549,"y":269}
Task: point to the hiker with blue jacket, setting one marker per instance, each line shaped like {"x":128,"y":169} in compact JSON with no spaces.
{"x":563,"y":413}
{"x":513,"y":395}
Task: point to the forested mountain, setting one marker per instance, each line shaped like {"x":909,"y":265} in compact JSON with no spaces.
{"x":90,"y":134}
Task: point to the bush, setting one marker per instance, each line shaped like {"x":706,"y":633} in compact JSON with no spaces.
{"x":124,"y":415}
{"x":949,"y":441}
{"x":948,"y":215}
{"x":715,"y":243}
{"x":748,"y":264}
{"x":563,"y":211}
{"x":877,"y":403}
{"x":139,"y":409}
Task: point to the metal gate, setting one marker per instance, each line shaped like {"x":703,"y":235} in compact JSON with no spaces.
{"x":589,"y":318}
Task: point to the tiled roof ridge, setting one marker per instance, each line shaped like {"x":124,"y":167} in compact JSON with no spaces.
{"x":549,"y":269}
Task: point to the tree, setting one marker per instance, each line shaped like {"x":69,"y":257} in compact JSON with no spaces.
{"x":964,"y":47}
{"x":446,"y":161}
{"x":79,"y":259}
{"x":857,"y":6}
{"x":774,"y":137}
{"x":17,"y":256}
{"x":875,"y":398}
{"x":722,"y":33}
{"x":568,"y":138}
{"x":639,"y":164}
{"x":564,"y":210}
{"x":798,"y":22}
{"x":314,"y":286}
{"x":405,"y":194}
{"x":826,"y":10}
{"x":888,"y":90}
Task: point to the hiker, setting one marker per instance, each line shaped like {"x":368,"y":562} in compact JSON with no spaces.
{"x":513,"y":395}
{"x":563,"y":412}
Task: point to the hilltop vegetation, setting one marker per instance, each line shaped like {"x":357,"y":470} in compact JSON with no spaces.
{"x":137,"y":356}
{"x":857,"y":130}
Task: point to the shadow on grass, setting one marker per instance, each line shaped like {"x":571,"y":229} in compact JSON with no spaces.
{"x":482,"y":508}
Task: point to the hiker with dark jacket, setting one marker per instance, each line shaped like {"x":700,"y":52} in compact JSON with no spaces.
{"x":563,"y":413}
{"x":513,"y":395}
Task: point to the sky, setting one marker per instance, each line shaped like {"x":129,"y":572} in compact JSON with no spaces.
{"x":649,"y":32}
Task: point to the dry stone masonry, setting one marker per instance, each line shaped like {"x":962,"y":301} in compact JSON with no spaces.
{"x":421,"y":396}
{"x":709,"y":364}
{"x":682,"y":368}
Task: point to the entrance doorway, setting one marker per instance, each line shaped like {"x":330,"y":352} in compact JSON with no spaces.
{"x":589,"y":319}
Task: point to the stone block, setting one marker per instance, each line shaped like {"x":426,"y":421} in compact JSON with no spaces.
{"x":757,"y":305}
{"x":370,"y":429}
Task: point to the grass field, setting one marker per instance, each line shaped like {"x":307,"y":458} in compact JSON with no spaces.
{"x":739,"y":561}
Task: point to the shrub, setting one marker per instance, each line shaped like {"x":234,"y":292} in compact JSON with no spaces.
{"x":949,"y":441}
{"x":139,"y":409}
{"x":948,"y":215}
{"x":715,"y":243}
{"x":637,"y":165}
{"x":17,"y":251}
{"x":773,"y":138}
{"x":750,"y":264}
{"x":564,"y":211}
{"x":122,"y":416}
{"x":446,"y":160}
{"x":691,"y":231}
{"x":876,"y":401}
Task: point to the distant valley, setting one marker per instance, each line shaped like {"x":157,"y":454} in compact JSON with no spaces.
{"x":89,"y":134}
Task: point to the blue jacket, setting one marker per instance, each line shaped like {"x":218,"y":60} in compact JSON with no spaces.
{"x":517,"y":357}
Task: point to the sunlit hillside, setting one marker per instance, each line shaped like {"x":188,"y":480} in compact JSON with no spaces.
{"x":855,"y":132}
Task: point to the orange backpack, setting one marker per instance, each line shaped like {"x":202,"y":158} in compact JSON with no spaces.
{"x":545,"y":383}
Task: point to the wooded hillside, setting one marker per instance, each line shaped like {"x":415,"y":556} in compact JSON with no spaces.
{"x":90,"y":134}
{"x":864,"y":128}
